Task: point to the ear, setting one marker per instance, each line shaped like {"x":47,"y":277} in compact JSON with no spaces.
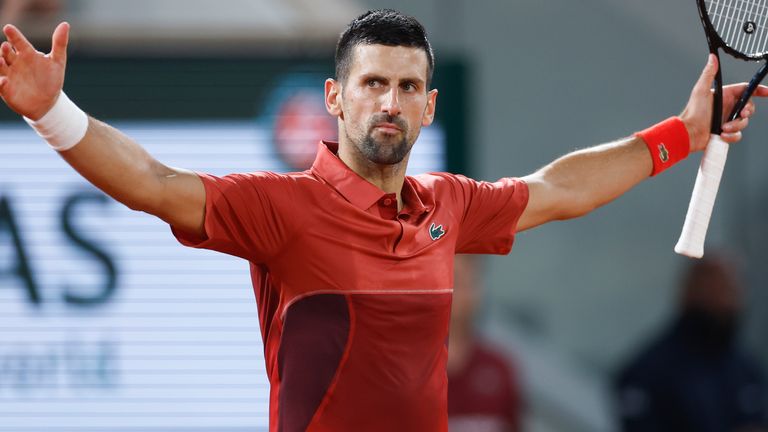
{"x":429,"y":112}
{"x":333,"y":97}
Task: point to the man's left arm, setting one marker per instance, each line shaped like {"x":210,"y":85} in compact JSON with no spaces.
{"x":584,"y":180}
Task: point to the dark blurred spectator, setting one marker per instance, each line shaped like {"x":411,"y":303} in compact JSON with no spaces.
{"x":695,"y":377}
{"x":483,"y":387}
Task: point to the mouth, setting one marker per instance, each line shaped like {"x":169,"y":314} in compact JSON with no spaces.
{"x":389,"y":128}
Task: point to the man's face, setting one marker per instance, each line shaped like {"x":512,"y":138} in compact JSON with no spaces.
{"x":383,"y":103}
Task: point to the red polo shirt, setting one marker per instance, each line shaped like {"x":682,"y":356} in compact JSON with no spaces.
{"x":354,"y":297}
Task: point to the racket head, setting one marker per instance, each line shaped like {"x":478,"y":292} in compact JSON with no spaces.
{"x":738,"y":27}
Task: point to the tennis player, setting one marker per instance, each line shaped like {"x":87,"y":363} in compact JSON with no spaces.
{"x":352,"y":260}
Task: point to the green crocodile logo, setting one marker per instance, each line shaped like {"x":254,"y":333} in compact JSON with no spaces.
{"x":663,"y":153}
{"x":435,"y":232}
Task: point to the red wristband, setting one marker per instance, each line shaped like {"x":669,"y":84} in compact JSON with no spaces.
{"x":668,"y":143}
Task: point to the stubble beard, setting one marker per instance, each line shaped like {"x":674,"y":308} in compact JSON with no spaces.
{"x":385,"y":152}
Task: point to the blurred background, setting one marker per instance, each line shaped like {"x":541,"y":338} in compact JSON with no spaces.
{"x":107,"y":324}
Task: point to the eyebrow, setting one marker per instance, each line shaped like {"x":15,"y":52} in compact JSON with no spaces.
{"x":372,"y":75}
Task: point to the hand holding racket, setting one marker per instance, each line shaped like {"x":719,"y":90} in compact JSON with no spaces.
{"x":740,"y":28}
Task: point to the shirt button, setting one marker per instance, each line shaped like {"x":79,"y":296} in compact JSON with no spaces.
{"x":387,"y":202}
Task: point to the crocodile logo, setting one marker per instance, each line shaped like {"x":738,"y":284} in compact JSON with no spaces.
{"x":436,"y":231}
{"x":663,"y":153}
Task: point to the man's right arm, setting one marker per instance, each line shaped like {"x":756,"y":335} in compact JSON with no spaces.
{"x":120,"y":167}
{"x":31,"y":84}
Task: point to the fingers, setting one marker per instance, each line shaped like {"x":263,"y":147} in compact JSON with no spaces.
{"x":733,"y":92}
{"x":732,"y":131}
{"x":59,"y":43}
{"x":18,"y":44}
{"x":731,"y":138}
{"x":761,"y":91}
{"x":748,"y":110}
{"x":3,"y":67}
{"x":704,"y":84}
{"x":736,"y":125}
{"x":17,"y":39}
{"x":7,"y":52}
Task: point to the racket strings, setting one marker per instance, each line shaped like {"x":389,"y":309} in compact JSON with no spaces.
{"x":741,"y":24}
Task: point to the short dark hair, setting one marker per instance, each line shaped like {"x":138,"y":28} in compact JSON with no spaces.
{"x":382,"y":27}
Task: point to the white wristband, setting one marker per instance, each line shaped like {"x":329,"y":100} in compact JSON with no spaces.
{"x":63,"y":126}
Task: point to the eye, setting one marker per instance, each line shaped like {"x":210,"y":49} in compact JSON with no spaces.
{"x":409,"y":86}
{"x":372,"y":83}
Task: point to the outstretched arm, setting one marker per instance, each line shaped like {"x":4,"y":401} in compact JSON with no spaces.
{"x":582,"y":181}
{"x":31,"y":83}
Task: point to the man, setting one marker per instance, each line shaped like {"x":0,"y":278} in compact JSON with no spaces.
{"x":351,"y":260}
{"x":695,"y":376}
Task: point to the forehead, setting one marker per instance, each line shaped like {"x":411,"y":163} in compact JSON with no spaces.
{"x":389,"y":61}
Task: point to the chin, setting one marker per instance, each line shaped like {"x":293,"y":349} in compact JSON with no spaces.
{"x":390,"y":160}
{"x":385,"y":152}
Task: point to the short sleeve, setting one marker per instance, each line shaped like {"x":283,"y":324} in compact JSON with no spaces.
{"x":246,"y":215}
{"x":491,"y":212}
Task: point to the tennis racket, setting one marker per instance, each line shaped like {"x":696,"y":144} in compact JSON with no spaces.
{"x":740,"y":28}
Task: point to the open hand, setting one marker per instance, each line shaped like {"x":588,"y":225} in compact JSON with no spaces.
{"x":31,"y":81}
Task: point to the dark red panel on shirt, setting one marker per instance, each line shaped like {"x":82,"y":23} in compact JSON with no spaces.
{"x":315,"y":333}
{"x":395,"y":370}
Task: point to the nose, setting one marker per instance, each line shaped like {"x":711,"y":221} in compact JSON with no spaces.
{"x":391,"y":104}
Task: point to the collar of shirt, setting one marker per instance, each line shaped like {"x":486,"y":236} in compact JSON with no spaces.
{"x":360,"y":192}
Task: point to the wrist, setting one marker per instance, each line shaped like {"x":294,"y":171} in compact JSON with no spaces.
{"x":696,"y":135}
{"x":668,"y":142}
{"x":37,"y":115}
{"x":63,"y":126}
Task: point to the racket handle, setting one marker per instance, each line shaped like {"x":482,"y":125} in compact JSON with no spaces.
{"x":691,"y":242}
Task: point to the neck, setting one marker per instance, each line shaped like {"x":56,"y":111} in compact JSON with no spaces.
{"x":387,"y":177}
